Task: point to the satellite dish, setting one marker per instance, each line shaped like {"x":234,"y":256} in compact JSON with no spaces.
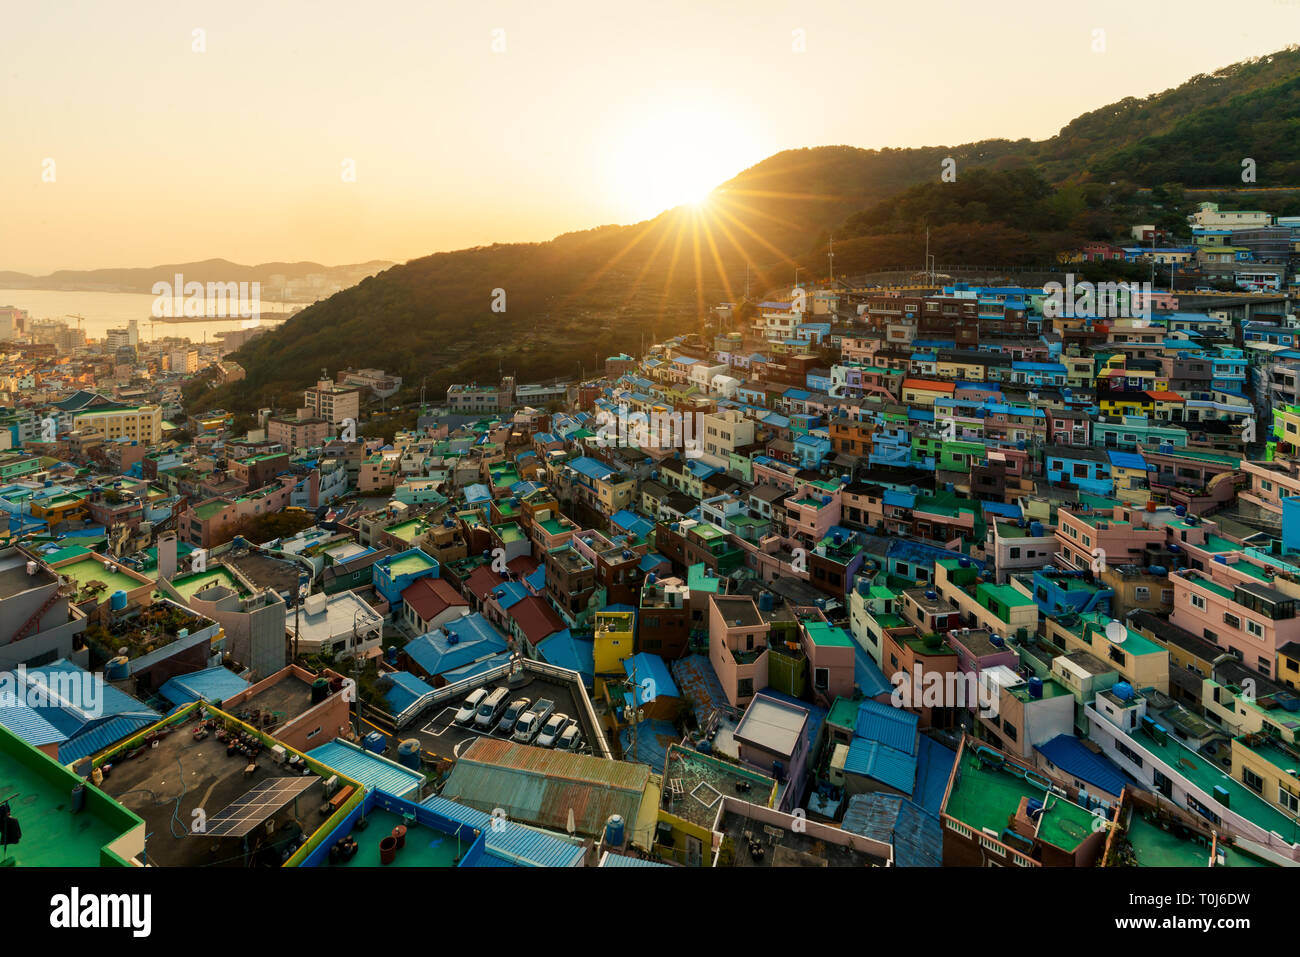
{"x":1117,"y":632}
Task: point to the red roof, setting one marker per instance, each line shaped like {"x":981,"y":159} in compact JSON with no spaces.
{"x":536,"y":618}
{"x":929,"y":385}
{"x":429,"y":597}
{"x":482,"y":580}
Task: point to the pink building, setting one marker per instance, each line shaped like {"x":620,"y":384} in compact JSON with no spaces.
{"x":1249,"y":619}
{"x":738,"y":646}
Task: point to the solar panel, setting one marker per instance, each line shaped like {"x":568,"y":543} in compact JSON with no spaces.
{"x":242,"y":816}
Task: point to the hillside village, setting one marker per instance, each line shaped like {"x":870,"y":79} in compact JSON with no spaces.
{"x":931,"y":573}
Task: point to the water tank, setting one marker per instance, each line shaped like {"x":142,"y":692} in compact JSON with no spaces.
{"x":614,"y":831}
{"x":453,"y":638}
{"x":408,"y":753}
{"x":963,"y":562}
{"x":1180,"y":510}
{"x":864,"y":587}
{"x":374,"y":741}
{"x":996,"y":641}
{"x":1123,"y":690}
{"x":118,"y":601}
{"x":651,"y":578}
{"x":1221,"y":559}
{"x":1036,"y":529}
{"x":391,"y":655}
{"x":931,"y":595}
{"x":765,"y":601}
{"x":320,"y":689}
{"x":117,"y":669}
{"x":1158,"y":570}
{"x":1035,"y":687}
{"x":838,"y":538}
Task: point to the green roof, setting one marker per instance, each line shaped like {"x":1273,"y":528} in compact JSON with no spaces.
{"x":826,"y":635}
{"x":985,"y":797}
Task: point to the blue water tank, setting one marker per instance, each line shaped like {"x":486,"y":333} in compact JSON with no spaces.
{"x":118,"y":601}
{"x":1036,"y":529}
{"x":614,"y":831}
{"x":1123,"y":690}
{"x":408,"y":754}
{"x":1180,"y":510}
{"x":1221,"y":559}
{"x":996,"y":641}
{"x":374,"y":741}
{"x":963,"y":562}
{"x":391,"y":655}
{"x":1035,"y":687}
{"x":651,"y":578}
{"x":864,"y":587}
{"x":1158,"y":570}
{"x":117,"y":669}
{"x":765,"y":601}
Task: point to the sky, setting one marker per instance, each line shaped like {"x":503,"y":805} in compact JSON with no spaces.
{"x":142,"y":133}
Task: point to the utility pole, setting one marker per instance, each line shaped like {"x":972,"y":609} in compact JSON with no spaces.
{"x":830,"y":256}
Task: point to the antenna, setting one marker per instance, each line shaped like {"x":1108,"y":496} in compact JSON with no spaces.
{"x":830,"y":256}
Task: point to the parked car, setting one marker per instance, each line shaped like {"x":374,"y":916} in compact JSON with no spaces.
{"x":489,"y":710}
{"x":570,"y":738}
{"x":531,"y":721}
{"x":513,"y":713}
{"x":552,"y":730}
{"x":469,"y":707}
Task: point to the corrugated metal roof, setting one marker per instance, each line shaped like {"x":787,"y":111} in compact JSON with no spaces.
{"x":510,"y":844}
{"x":622,"y":860}
{"x":891,"y":726}
{"x":28,"y":724}
{"x":539,"y":786}
{"x":1070,"y":755}
{"x":375,"y":772}
{"x":97,"y":737}
{"x":210,"y":684}
{"x":915,"y":835}
{"x":882,"y":763}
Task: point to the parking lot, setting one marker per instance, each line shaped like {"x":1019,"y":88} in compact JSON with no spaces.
{"x":439,"y":734}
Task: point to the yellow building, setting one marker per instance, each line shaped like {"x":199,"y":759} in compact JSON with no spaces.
{"x":141,"y":424}
{"x":1138,"y":659}
{"x":613,"y":641}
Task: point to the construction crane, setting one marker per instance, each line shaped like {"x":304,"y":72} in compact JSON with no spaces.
{"x":80,"y":319}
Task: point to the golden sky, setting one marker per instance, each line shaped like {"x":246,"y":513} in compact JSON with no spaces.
{"x":476,"y":122}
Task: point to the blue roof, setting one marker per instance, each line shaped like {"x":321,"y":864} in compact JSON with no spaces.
{"x":509,"y":842}
{"x":210,"y":684}
{"x":1069,"y":754}
{"x":882,"y":763}
{"x":934,"y":764}
{"x":28,"y":724}
{"x":871,"y":681}
{"x":915,"y":835}
{"x":563,"y":650}
{"x":455,"y":644}
{"x":630,"y":521}
{"x":406,"y":690}
{"x":650,"y":561}
{"x":1127,"y":460}
{"x":648,"y":667}
{"x":591,"y":468}
{"x":104,"y":733}
{"x":622,"y":860}
{"x":891,"y":726}
{"x":477,"y":492}
{"x":477,"y":667}
{"x":368,"y":768}
{"x":652,"y":740}
{"x":899,"y":499}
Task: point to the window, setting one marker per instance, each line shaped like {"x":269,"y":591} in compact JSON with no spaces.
{"x":1255,"y":628}
{"x":1128,"y":752}
{"x":1142,"y":592}
{"x":1286,"y":799}
{"x":1232,"y":621}
{"x":1197,"y":602}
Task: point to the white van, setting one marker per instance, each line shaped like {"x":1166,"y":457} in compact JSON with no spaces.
{"x":491,"y":707}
